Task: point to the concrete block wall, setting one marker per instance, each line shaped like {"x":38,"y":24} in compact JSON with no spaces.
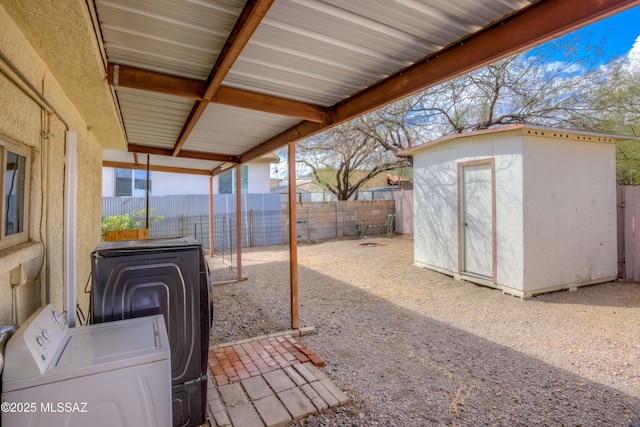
{"x":330,"y":220}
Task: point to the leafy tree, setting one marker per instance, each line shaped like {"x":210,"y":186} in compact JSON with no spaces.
{"x":620,"y":94}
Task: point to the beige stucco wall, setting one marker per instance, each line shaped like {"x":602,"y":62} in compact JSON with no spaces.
{"x":40,"y":261}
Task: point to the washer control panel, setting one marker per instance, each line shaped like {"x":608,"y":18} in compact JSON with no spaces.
{"x":31,"y":349}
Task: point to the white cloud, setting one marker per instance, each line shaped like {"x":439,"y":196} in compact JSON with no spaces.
{"x":634,"y":55}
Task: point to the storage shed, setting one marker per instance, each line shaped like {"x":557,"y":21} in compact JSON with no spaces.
{"x":521,"y":208}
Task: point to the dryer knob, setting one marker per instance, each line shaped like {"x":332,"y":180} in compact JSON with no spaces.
{"x":59,"y":318}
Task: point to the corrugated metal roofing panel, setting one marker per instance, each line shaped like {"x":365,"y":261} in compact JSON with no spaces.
{"x":323,"y":51}
{"x":181,"y":38}
{"x":315,"y":51}
{"x":152,"y":118}
{"x":231,"y":130}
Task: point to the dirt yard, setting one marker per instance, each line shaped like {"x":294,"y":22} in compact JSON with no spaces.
{"x":412,"y":347}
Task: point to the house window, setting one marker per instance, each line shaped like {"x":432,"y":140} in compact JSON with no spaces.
{"x":131,"y":182}
{"x":14,"y":185}
{"x":227,"y":181}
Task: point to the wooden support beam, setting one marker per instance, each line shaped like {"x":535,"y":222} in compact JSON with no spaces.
{"x":295,"y":133}
{"x":156,"y":168}
{"x":146,"y":190}
{"x":239,"y":222}
{"x":200,"y":155}
{"x":222,"y":168}
{"x":190,"y":124}
{"x":136,"y":78}
{"x":293,"y":236}
{"x":211,"y":219}
{"x":271,"y":104}
{"x":249,"y":20}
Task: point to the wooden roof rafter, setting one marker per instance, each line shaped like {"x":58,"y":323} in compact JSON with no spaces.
{"x":136,"y":78}
{"x":249,"y":20}
{"x":156,"y":168}
{"x":188,"y":154}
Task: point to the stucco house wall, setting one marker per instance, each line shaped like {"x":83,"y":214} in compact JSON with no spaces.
{"x":167,"y":183}
{"x":31,"y":273}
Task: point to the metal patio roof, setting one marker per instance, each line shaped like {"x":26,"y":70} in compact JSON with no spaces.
{"x":219,"y":81}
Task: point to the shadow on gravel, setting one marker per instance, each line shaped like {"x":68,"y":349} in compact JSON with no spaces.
{"x":405,"y":369}
{"x":611,"y":294}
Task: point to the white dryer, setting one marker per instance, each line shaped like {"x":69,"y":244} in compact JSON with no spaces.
{"x":110,"y":374}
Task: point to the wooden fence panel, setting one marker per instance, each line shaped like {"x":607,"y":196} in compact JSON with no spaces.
{"x":620,"y":228}
{"x":404,"y":211}
{"x":631,"y":236}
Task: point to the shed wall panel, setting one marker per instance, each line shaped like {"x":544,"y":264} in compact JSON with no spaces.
{"x":570,"y":212}
{"x":436,"y":204}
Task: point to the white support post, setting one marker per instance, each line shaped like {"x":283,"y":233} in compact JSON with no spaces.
{"x":70,"y":225}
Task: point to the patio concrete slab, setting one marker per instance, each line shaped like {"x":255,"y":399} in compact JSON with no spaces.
{"x":298,"y":405}
{"x":279,"y":380}
{"x":232,"y":394}
{"x":257,"y":388}
{"x":245,"y":415}
{"x":278,"y":389}
{"x":324,"y":393}
{"x":273,"y":411}
{"x":315,"y":398}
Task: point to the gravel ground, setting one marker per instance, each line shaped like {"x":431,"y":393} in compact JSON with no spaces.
{"x":412,"y":347}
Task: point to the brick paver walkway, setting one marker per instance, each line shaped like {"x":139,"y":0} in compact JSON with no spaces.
{"x":250,"y":358}
{"x":267,"y":381}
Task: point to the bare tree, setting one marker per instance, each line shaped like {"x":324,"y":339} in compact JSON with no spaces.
{"x":343,"y":158}
{"x":534,"y":87}
{"x":554,"y":85}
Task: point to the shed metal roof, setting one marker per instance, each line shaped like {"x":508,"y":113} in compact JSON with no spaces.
{"x":524,"y":129}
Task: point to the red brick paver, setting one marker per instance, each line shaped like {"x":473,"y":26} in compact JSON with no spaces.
{"x":249,"y":359}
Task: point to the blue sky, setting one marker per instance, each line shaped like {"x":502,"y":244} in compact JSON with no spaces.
{"x":620,"y":31}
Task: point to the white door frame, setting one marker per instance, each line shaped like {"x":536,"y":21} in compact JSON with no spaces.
{"x":461,"y":214}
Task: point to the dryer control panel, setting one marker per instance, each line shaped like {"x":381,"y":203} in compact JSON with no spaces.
{"x":34,"y":345}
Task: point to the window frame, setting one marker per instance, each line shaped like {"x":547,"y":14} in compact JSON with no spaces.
{"x":7,"y":145}
{"x":132,"y":181}
{"x":244,"y":176}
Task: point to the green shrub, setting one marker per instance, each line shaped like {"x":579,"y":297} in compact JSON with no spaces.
{"x":136,"y":220}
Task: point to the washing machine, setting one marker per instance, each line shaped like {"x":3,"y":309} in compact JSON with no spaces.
{"x":110,"y":374}
{"x":169,"y":276}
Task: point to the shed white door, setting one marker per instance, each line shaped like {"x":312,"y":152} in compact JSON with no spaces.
{"x":477,"y":220}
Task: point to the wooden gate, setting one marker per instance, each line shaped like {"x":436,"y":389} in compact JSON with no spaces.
{"x":628,"y":198}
